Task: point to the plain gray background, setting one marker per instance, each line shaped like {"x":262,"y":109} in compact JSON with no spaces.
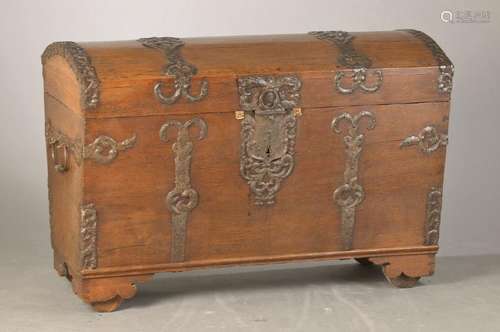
{"x":470,"y":223}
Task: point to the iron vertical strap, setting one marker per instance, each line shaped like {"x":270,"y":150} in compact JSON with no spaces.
{"x":183,"y":198}
{"x":352,"y":59}
{"x":350,"y":194}
{"x":178,"y":67}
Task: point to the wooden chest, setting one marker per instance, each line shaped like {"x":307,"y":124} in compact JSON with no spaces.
{"x":169,"y":154}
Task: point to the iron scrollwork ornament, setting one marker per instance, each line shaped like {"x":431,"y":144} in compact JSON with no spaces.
{"x":428,"y":140}
{"x":105,"y":149}
{"x":183,"y":198}
{"x":358,"y":77}
{"x":350,"y":58}
{"x":88,"y":236}
{"x":268,"y":131}
{"x":82,"y":67}
{"x":178,"y":67}
{"x":433,"y":216}
{"x":350,"y":194}
{"x":445,"y":67}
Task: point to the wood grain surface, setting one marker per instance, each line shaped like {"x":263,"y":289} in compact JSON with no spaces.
{"x":134,"y":224}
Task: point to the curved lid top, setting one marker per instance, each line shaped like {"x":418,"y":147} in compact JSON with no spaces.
{"x":115,"y":77}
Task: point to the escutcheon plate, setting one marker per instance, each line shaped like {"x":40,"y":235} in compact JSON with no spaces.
{"x":268,"y":132}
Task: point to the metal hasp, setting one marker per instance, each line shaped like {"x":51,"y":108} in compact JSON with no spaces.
{"x":105,"y":149}
{"x":183,"y":198}
{"x":350,"y":194}
{"x":177,"y":67}
{"x":268,"y":132}
{"x":446,"y":68}
{"x":352,"y":59}
{"x":428,"y":140}
{"x":88,"y":236}
{"x":433,"y":216}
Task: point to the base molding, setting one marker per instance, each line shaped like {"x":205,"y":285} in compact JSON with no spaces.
{"x":275,"y":259}
{"x":106,"y":288}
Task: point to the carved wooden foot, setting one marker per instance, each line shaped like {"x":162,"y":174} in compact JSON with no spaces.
{"x":60,"y":266}
{"x":403,"y":281}
{"x":108,"y":306}
{"x":107,"y":293}
{"x":363,"y":261}
{"x":405,"y":271}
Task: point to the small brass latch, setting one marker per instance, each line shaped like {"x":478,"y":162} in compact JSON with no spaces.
{"x":239,"y":115}
{"x":297,"y":111}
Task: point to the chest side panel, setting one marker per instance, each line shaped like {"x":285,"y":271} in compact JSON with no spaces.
{"x":64,"y":132}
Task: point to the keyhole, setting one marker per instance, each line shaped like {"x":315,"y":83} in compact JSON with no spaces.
{"x":268,"y":151}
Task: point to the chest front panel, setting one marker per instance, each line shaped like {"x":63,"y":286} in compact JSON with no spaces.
{"x":136,"y":217}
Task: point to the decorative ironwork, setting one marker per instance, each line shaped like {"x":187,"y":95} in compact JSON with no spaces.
{"x":358,"y":77}
{"x":268,"y":132}
{"x":350,"y":58}
{"x":105,"y":149}
{"x":446,"y":68}
{"x":433,"y":216}
{"x":350,"y":194}
{"x":183,"y":198}
{"x":57,"y":141}
{"x":429,"y":140}
{"x":80,"y":63}
{"x":177,"y":67}
{"x":445,"y":79}
{"x":88,"y":236}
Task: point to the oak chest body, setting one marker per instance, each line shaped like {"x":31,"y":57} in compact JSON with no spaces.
{"x":169,"y":154}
